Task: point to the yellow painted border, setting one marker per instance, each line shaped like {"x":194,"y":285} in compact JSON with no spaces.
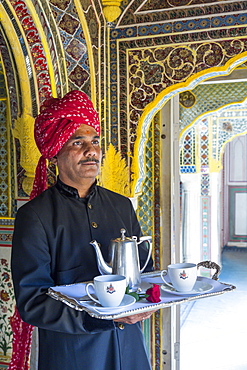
{"x":89,"y":49}
{"x":6,"y":218}
{"x":161,"y":96}
{"x":14,"y":43}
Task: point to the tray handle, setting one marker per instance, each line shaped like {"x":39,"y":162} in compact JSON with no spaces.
{"x":211,"y":265}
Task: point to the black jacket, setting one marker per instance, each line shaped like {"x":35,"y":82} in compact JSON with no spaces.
{"x":51,"y":247}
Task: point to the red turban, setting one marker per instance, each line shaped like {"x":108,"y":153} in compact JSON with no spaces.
{"x":57,"y":121}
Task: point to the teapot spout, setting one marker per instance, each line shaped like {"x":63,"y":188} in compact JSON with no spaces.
{"x":103,"y":267}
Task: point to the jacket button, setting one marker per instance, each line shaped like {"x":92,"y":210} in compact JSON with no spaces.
{"x":94,"y":225}
{"x":90,"y":206}
{"x":121,"y":326}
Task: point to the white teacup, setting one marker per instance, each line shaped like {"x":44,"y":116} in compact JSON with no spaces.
{"x":182,"y":275}
{"x":109,"y":289}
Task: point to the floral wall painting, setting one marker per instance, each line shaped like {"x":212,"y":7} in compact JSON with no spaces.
{"x":7,"y":301}
{"x":6,"y":294}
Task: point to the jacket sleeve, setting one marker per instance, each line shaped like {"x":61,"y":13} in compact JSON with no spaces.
{"x":31,"y":273}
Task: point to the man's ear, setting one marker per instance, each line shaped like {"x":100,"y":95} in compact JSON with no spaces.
{"x":54,"y":160}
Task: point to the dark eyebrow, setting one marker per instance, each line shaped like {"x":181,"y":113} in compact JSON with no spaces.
{"x":83,"y":137}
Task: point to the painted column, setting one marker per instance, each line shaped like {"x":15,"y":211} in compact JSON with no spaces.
{"x":215,"y":191}
{"x":191,"y":217}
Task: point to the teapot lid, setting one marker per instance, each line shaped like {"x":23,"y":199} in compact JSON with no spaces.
{"x":123,"y":237}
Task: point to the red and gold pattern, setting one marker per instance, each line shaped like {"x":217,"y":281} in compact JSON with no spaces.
{"x":36,"y":47}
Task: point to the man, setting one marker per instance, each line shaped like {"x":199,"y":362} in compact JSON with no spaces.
{"x":51,"y":245}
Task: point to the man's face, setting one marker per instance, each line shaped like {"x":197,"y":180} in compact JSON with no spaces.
{"x":79,"y":159}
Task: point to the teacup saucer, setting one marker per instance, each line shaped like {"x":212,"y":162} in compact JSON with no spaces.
{"x":199,"y":288}
{"x":128,"y":300}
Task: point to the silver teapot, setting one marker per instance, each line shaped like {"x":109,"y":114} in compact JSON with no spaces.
{"x":124,"y":258}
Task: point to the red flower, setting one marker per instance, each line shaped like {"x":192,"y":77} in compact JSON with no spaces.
{"x":154,"y":294}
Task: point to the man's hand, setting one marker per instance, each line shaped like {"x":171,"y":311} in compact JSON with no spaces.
{"x":132,"y":319}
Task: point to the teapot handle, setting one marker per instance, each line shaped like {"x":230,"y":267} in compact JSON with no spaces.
{"x":149,"y":240}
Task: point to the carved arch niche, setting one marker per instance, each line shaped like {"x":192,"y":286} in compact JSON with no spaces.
{"x":156,"y":74}
{"x":169,"y":88}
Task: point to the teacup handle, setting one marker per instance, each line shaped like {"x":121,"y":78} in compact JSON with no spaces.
{"x":87,"y":290}
{"x":164,"y":273}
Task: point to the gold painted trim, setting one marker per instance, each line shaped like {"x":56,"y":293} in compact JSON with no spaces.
{"x":14,"y":43}
{"x":4,"y":226}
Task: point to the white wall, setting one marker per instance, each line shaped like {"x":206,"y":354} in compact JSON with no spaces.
{"x":235,"y":192}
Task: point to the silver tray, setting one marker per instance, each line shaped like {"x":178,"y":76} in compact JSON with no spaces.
{"x":74,"y":295}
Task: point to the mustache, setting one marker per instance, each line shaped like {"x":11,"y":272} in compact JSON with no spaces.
{"x":88,"y":160}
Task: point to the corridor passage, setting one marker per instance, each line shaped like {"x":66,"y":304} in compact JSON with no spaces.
{"x":214,"y":330}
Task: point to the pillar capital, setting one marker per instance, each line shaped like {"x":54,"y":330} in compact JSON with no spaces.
{"x":29,"y":156}
{"x":111,"y":9}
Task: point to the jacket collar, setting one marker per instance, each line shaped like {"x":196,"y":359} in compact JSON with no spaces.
{"x":73,"y":192}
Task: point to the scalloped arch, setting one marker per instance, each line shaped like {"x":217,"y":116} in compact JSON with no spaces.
{"x":160,"y":100}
